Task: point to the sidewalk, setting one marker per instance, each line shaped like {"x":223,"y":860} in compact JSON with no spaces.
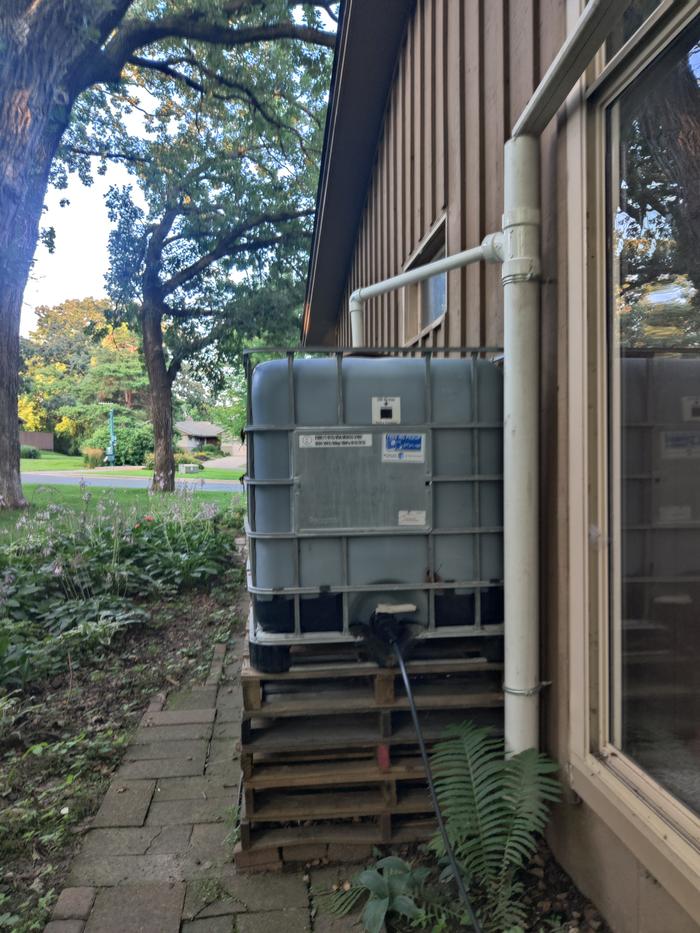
{"x":158,"y":858}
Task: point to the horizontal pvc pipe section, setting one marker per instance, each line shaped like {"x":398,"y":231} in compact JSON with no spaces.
{"x":490,"y":250}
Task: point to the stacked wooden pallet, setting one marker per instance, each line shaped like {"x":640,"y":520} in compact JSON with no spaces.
{"x":329,"y":754}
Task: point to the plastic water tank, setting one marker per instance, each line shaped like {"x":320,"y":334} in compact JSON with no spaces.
{"x":375,"y":480}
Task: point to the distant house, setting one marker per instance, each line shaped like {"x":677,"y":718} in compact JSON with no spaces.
{"x":42,"y":440}
{"x":194,"y":434}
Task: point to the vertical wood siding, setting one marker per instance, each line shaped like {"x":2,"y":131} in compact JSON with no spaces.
{"x":466,"y":69}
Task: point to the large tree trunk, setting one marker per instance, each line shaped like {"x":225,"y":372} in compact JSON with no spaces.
{"x":33,"y":116}
{"x":161,"y":399}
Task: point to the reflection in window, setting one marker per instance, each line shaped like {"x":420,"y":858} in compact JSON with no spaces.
{"x":654,"y":247}
{"x":426,"y":302}
{"x":626,"y":26}
{"x":433,"y":299}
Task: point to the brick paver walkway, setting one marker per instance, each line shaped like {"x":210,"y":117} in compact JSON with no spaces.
{"x":158,"y":857}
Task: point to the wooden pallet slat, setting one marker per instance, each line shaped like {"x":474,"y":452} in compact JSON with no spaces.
{"x":329,"y":754}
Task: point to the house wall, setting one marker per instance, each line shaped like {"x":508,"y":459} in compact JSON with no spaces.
{"x":466,"y":69}
{"x":464,"y":74}
{"x":42,"y":440}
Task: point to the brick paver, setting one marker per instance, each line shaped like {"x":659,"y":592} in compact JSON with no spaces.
{"x":158,"y":857}
{"x":64,"y":926}
{"x":126,"y":803}
{"x":74,"y":904}
{"x":137,"y":908}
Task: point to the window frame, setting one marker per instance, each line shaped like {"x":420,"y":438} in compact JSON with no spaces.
{"x":663,"y":832}
{"x":411,"y":294}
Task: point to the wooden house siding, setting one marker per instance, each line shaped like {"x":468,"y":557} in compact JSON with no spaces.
{"x":465,"y":71}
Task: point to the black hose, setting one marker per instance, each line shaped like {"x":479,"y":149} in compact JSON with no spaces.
{"x":431,"y":785}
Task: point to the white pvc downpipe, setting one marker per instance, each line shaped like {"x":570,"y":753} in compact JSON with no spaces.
{"x":521,"y":313}
{"x":521,"y":296}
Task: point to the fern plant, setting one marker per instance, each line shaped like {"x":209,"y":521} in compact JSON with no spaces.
{"x":494,"y":809}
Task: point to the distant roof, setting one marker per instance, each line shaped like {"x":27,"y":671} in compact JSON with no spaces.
{"x":199,"y":428}
{"x":370,"y":37}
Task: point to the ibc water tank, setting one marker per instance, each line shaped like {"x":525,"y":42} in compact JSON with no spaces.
{"x":374,"y":480}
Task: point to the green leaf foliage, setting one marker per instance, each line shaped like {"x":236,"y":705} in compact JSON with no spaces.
{"x":494,"y":808}
{"x":69,"y":581}
{"x":391,"y":887}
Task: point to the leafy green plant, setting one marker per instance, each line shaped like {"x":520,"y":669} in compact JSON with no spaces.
{"x":134,"y":440}
{"x":69,"y":581}
{"x":28,"y":453}
{"x":391,"y":887}
{"x":494,"y":808}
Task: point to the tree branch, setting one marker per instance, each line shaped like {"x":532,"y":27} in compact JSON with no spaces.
{"x":194,"y":346}
{"x":136,"y":34}
{"x":230,"y":246}
{"x":154,"y":252}
{"x":186,"y":314}
{"x":167,"y":68}
{"x":106,"y":154}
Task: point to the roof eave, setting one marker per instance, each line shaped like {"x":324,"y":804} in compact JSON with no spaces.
{"x":370,"y":37}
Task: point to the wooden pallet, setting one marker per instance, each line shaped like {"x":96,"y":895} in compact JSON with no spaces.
{"x":329,"y":753}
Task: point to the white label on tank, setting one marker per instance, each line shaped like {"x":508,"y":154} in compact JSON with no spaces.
{"x":335,"y":439}
{"x":672,"y":514}
{"x":680,"y":445}
{"x":691,"y":408}
{"x":403,"y":448}
{"x":386,"y":409}
{"x":411,"y":517}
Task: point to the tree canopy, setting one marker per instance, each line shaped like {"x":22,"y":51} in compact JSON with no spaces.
{"x":72,"y":62}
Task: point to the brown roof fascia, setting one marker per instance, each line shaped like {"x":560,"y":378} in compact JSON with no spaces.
{"x":371,"y":35}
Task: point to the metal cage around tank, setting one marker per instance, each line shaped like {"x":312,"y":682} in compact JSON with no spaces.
{"x":484,"y":595}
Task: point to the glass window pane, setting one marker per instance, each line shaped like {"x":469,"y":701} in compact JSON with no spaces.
{"x":433,"y":297}
{"x":654,"y":261}
{"x":630,"y":21}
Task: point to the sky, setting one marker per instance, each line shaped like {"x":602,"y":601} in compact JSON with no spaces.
{"x":77,"y":267}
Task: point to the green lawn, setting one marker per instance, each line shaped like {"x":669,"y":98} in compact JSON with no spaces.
{"x":220,"y":473}
{"x":45,"y":494}
{"x":206,"y":473}
{"x":50,"y":460}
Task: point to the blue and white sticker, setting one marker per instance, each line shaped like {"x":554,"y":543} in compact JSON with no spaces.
{"x":403,"y":448}
{"x":680,"y":445}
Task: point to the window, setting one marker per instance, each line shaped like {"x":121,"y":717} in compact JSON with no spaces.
{"x":653,"y":234}
{"x":631,"y":20}
{"x":426,"y":302}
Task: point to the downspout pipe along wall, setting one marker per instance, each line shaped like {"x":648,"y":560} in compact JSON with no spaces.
{"x":521,"y":341}
{"x":520,"y":275}
{"x":518,"y":247}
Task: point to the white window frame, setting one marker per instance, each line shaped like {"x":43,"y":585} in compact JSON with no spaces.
{"x":412,"y":331}
{"x":662,"y":832}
